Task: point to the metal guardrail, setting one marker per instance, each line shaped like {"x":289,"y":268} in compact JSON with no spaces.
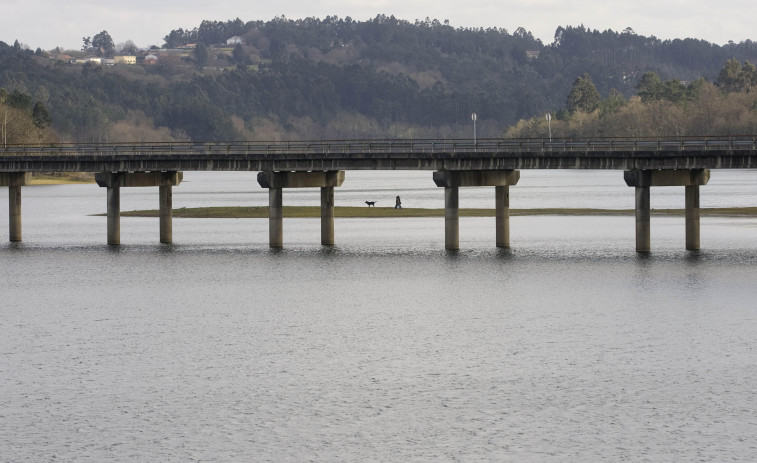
{"x":379,"y":147}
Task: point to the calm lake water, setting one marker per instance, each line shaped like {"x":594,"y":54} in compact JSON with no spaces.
{"x":567,"y":347}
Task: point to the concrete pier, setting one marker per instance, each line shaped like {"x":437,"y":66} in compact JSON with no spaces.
{"x":327,"y":216}
{"x":642,"y":180}
{"x":277,"y":181}
{"x":14,"y":181}
{"x":451,"y":218}
{"x":114,"y":215}
{"x":275,"y":217}
{"x":165,"y":199}
{"x":451,"y":180}
{"x":692,"y":217}
{"x":643,"y":228}
{"x":14,"y":213}
{"x":502,"y":212}
{"x":113,"y":181}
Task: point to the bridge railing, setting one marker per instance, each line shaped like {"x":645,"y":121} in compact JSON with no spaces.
{"x":388,"y":147}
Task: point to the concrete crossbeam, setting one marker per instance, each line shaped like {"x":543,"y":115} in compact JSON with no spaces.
{"x":680,"y":177}
{"x":15,"y":178}
{"x":463,"y":178}
{"x":333,"y":178}
{"x":138,"y":179}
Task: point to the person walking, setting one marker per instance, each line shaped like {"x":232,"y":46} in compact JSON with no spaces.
{"x":397,"y":203}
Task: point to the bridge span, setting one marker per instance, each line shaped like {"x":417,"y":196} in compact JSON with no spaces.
{"x":681,"y":161}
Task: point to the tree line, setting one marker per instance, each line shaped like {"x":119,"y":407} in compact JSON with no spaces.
{"x":22,"y":121}
{"x":660,"y":108}
{"x":384,"y":77}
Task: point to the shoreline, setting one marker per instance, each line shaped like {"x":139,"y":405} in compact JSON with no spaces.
{"x":389,"y":212}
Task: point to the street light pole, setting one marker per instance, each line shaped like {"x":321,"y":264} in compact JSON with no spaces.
{"x":473,"y":118}
{"x":549,"y":124}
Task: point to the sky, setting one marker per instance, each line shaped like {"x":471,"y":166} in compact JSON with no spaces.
{"x":47,"y":24}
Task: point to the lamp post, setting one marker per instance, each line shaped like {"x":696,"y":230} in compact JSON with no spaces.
{"x":549,"y":124}
{"x":473,"y":118}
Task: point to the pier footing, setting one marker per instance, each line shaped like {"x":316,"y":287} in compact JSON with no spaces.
{"x":452,"y":180}
{"x":642,"y":180}
{"x":277,"y":181}
{"x":113,"y":181}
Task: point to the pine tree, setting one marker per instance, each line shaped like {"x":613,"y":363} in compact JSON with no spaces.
{"x":583,"y":96}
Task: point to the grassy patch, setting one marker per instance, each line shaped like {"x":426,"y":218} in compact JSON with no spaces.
{"x":63,"y":178}
{"x":380,"y":212}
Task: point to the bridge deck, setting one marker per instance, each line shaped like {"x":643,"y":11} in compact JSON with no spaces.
{"x":486,"y":154}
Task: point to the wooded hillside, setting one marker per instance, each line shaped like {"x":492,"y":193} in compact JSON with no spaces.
{"x":338,"y":78}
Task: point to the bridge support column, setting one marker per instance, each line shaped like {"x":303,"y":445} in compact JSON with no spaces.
{"x":14,"y":181}
{"x":692,"y":217}
{"x":275,"y":217}
{"x":113,"y":181}
{"x":277,"y":181}
{"x":327,"y":216}
{"x":165,"y":198}
{"x":451,"y":218}
{"x":643,"y":236}
{"x":14,"y":213}
{"x":642,"y":180}
{"x":451,"y":180}
{"x":114,"y":215}
{"x":502,"y":212}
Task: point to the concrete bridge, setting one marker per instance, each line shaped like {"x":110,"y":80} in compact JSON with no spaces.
{"x":646,"y":163}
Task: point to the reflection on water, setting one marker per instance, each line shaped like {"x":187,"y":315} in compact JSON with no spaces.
{"x":568,"y":346}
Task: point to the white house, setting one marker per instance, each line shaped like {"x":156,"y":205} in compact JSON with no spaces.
{"x":126,"y":59}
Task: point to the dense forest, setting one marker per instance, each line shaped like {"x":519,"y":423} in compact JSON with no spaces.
{"x":338,"y":78}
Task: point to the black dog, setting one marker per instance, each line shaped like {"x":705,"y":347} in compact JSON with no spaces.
{"x":371,"y":203}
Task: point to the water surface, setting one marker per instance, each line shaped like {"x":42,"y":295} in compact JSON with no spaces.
{"x":567,"y":347}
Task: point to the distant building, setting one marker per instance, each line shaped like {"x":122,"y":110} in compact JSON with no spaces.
{"x":126,"y":59}
{"x":151,"y":59}
{"x":236,"y":40}
{"x":532,"y":54}
{"x":95,"y":60}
